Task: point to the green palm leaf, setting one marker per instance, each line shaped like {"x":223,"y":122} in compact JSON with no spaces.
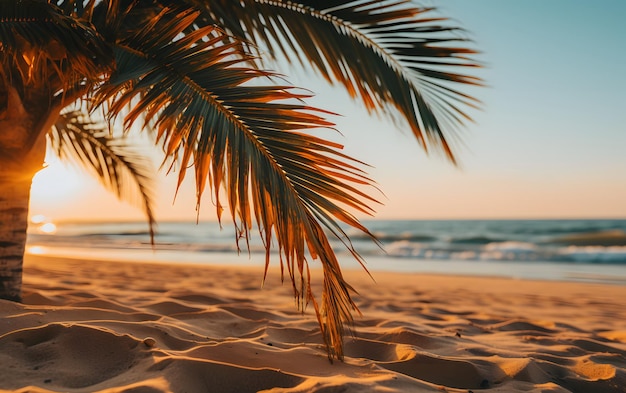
{"x":77,"y":137}
{"x":211,"y":111}
{"x":390,"y":54}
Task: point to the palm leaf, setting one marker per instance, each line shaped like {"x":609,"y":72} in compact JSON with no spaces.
{"x":390,"y":54}
{"x":42,"y":43}
{"x":77,"y":137}
{"x":212,"y":112}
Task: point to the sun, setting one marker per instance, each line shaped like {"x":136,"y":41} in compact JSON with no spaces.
{"x":56,"y":184}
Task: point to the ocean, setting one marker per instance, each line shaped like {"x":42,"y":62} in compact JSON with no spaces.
{"x":569,"y":250}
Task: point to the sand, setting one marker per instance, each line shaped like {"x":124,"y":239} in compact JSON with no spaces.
{"x":94,"y":326}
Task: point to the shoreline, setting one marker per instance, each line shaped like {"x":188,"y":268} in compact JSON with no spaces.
{"x":114,"y":326}
{"x":611,"y":274}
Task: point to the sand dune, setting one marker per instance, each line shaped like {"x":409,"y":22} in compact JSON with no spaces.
{"x":92,"y":326}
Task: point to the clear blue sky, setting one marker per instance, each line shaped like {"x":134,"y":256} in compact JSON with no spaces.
{"x":549,"y":142}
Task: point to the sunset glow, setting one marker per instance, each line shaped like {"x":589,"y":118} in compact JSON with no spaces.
{"x":539,"y":148}
{"x":56,"y":184}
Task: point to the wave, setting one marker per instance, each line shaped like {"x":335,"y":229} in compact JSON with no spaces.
{"x":474,"y":240}
{"x":606,"y":238}
{"x":596,"y":254}
{"x":567,"y":226}
{"x":392,"y":237}
{"x":548,"y":241}
{"x":509,"y":251}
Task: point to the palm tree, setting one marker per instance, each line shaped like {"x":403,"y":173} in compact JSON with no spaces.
{"x":193,"y":75}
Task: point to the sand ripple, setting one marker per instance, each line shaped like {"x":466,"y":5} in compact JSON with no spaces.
{"x":114,"y":327}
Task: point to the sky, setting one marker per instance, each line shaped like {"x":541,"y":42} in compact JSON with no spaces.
{"x":549,"y":141}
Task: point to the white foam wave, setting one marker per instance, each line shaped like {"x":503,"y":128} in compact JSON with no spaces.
{"x":595,"y":253}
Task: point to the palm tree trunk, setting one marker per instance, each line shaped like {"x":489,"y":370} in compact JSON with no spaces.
{"x":22,"y":153}
{"x":14,"y":200}
{"x":16,"y":177}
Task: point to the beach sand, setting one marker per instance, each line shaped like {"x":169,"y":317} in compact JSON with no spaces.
{"x":94,"y":326}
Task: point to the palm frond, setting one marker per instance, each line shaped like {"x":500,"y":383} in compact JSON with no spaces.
{"x":391,"y":54}
{"x":211,"y":111}
{"x":40,"y":42}
{"x":77,"y":137}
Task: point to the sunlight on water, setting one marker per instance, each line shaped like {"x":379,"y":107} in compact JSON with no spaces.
{"x":37,"y":250}
{"x":43,"y":224}
{"x":38,"y":219}
{"x":48,"y":228}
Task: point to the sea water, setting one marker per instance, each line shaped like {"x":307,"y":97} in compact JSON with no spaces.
{"x":572,"y":250}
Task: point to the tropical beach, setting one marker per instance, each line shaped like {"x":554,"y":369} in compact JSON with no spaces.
{"x":351,"y":196}
{"x":106,"y":326}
